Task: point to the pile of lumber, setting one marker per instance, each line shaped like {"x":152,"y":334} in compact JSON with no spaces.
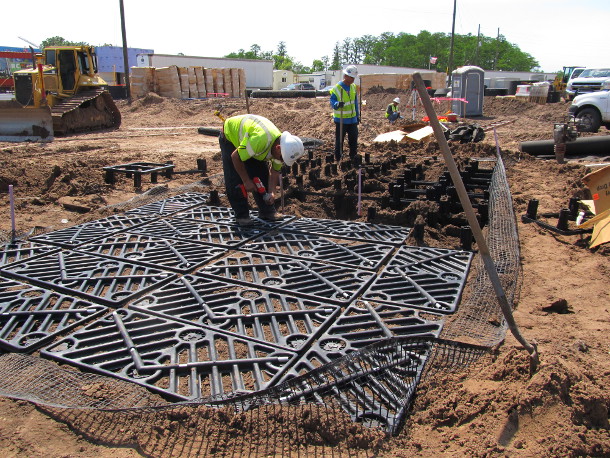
{"x":400,"y":81}
{"x":188,"y":82}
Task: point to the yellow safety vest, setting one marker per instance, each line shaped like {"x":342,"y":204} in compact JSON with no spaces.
{"x":394,"y":110}
{"x":348,"y":98}
{"x":253,"y":136}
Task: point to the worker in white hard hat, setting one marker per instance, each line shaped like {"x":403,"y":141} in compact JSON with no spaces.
{"x":346,"y":114}
{"x":392,"y":112}
{"x":253,"y":147}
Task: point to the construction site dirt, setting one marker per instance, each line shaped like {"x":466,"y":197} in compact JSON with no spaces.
{"x":499,"y":406}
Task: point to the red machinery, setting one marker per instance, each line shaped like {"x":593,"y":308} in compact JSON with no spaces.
{"x":10,"y":61}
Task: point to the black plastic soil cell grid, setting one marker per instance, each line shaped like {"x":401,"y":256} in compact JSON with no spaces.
{"x":223,"y":215}
{"x":171,"y":205}
{"x":395,"y":235}
{"x":31,"y":317}
{"x":374,"y":386}
{"x":108,"y":281}
{"x":137,"y":169}
{"x":92,"y":230}
{"x":175,"y":255}
{"x":170,"y":357}
{"x":427,"y":278}
{"x":19,"y":250}
{"x":351,"y":253}
{"x":199,"y":231}
{"x":273,"y":318}
{"x":314,"y":280}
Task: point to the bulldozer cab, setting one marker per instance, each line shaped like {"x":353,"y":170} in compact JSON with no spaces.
{"x":75,"y":66}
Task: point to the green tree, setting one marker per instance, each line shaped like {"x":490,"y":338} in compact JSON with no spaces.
{"x":60,"y":41}
{"x":336,"y":62}
{"x":318,"y":65}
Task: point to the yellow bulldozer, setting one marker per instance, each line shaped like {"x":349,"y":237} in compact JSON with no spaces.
{"x":62,"y":93}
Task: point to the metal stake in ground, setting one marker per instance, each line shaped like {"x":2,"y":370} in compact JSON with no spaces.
{"x":472,"y":220}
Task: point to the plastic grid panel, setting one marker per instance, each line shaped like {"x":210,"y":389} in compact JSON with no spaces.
{"x":194,"y":231}
{"x":270,"y":317}
{"x":170,"y":357}
{"x":170,"y":205}
{"x":357,"y":254}
{"x":313,"y":280}
{"x":175,"y":255}
{"x":31,"y":317}
{"x":92,"y":230}
{"x":426,"y":278}
{"x":99,"y":279}
{"x":395,"y":235}
{"x":362,"y":324}
{"x":374,"y":387}
{"x":223,"y":215}
{"x":19,"y":250}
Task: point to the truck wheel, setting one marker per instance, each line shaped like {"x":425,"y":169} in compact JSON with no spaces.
{"x":590,"y":120}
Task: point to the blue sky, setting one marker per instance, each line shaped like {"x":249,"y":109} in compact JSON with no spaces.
{"x":557,"y":33}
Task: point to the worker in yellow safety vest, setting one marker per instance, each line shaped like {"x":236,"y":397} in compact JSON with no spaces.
{"x":253,"y":147}
{"x":392,"y":112}
{"x":346,"y":114}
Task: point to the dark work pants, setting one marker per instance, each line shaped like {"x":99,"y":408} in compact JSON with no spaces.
{"x":352,"y":138}
{"x":255,"y":168}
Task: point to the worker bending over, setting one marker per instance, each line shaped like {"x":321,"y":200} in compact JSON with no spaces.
{"x":252,"y":147}
{"x":392,"y":112}
{"x":344,"y":101}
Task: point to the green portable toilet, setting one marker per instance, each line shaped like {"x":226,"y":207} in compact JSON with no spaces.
{"x":468,"y":83}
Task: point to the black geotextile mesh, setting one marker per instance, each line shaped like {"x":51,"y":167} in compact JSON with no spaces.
{"x":348,"y":406}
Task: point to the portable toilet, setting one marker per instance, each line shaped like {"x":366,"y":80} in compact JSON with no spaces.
{"x":468,"y":83}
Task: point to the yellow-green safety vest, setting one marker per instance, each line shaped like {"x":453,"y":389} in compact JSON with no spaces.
{"x":394,"y":110}
{"x":349,"y":100}
{"x":254,"y":136}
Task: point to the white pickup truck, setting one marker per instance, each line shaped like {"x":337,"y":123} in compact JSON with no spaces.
{"x":592,"y":109}
{"x":589,"y":80}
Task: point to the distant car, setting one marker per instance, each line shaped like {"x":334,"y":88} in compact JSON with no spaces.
{"x":299,"y":87}
{"x":326,"y":89}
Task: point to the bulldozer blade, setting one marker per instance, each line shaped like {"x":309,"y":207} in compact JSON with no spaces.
{"x":19,"y":124}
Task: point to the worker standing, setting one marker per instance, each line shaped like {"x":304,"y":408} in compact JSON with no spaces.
{"x":344,"y":101}
{"x":392,"y":112}
{"x":253,"y":147}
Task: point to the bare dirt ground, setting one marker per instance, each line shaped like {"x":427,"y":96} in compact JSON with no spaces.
{"x":499,"y":408}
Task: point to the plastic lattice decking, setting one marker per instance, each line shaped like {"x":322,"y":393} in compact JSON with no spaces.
{"x":176,"y":255}
{"x":170,"y":205}
{"x":19,"y":250}
{"x":92,"y":230}
{"x":355,"y":230}
{"x":270,"y":317}
{"x":199,"y":231}
{"x":110,"y":282}
{"x":172,"y":357}
{"x":223,"y":215}
{"x":426,"y":278}
{"x":315,"y":280}
{"x":351,"y":253}
{"x":31,"y":317}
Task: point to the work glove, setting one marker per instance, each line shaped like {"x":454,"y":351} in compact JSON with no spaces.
{"x":340,"y":104}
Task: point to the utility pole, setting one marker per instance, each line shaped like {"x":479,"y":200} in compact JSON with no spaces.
{"x":450,"y":68}
{"x":125,"y":57}
{"x":497,"y":49}
{"x":476,"y":54}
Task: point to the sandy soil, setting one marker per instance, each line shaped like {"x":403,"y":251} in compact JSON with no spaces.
{"x":498,"y":408}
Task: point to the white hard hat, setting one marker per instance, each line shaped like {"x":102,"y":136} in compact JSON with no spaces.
{"x":351,"y":70}
{"x":292,"y":148}
{"x":397,"y":100}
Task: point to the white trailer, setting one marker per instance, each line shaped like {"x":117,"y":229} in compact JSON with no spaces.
{"x":259,"y":73}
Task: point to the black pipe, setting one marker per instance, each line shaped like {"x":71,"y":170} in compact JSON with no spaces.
{"x":583,"y":145}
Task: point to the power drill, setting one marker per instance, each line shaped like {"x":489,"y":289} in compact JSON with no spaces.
{"x":260,"y":187}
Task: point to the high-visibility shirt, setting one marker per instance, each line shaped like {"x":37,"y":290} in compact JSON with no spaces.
{"x":253,"y":136}
{"x":391,"y":109}
{"x":349,"y":111}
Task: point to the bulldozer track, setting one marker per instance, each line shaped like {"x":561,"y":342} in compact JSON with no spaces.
{"x":71,"y":115}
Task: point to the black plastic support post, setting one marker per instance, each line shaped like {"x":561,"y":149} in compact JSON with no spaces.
{"x":532,"y":209}
{"x":466,"y":238}
{"x":564,"y":217}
